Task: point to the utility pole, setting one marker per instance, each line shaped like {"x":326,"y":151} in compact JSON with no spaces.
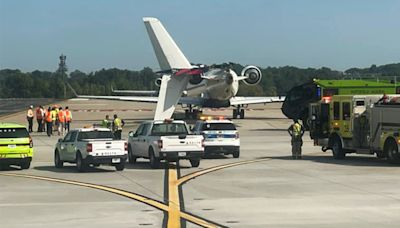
{"x":62,"y":69}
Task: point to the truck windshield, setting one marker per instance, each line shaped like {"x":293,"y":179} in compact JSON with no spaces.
{"x":13,"y":133}
{"x":218,"y":126}
{"x":169,"y":129}
{"x":95,"y":135}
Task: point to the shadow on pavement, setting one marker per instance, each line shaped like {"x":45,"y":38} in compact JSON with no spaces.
{"x":143,"y":165}
{"x":216,"y":156}
{"x":9,"y":168}
{"x":71,"y":169}
{"x":348,"y":161}
{"x":271,"y":129}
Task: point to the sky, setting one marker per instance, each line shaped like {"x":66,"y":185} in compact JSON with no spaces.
{"x":96,"y":34}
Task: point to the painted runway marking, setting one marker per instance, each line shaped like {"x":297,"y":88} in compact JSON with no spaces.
{"x":175,"y":196}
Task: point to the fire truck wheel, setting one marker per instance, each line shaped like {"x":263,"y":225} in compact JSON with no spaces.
{"x":337,"y":149}
{"x":392,"y":152}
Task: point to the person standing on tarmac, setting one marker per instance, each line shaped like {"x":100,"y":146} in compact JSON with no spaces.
{"x":296,"y":131}
{"x":68,"y":119}
{"x":106,"y":123}
{"x":118,"y":123}
{"x":29,"y":117}
{"x":49,"y":122}
{"x":53,"y":113}
{"x":61,"y":121}
{"x":39,"y":118}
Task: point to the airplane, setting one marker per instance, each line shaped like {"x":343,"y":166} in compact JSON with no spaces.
{"x":189,"y":85}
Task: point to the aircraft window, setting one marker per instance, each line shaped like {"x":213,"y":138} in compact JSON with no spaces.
{"x":336,"y":110}
{"x":346,"y":110}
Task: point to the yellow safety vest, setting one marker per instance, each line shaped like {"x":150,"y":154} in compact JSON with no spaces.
{"x":118,"y":124}
{"x":296,"y":129}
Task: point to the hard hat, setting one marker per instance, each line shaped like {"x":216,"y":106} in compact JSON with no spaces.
{"x":30,"y":106}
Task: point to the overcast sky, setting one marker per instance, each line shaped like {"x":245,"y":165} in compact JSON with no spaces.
{"x":96,"y":34}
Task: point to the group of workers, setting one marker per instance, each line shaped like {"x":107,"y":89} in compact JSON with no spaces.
{"x":115,"y":125}
{"x":54,"y":118}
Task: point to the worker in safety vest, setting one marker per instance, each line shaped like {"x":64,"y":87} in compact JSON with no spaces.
{"x":39,"y":118}
{"x":68,"y":119}
{"x":49,"y":122}
{"x":106,"y":123}
{"x":29,"y":117}
{"x":296,"y":131}
{"x":53,"y":118}
{"x":61,"y":121}
{"x":117,"y":126}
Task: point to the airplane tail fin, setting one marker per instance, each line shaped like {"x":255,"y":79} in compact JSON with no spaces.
{"x":168,"y":54}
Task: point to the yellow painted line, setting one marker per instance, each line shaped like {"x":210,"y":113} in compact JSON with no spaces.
{"x":174,"y":213}
{"x":174,"y":218}
{"x":215,"y":168}
{"x":143,"y":199}
{"x":197,"y":220}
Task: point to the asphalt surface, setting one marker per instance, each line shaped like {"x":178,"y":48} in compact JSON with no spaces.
{"x":262,"y":188}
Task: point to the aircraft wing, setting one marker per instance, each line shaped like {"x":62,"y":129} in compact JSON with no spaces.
{"x":122,"y":98}
{"x":254,"y":100}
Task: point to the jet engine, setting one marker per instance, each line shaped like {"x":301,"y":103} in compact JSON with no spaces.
{"x":253,"y":75}
{"x":158,"y":82}
{"x":195,"y":79}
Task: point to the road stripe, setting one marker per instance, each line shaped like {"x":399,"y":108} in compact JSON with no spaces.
{"x":191,"y":176}
{"x":131,"y":195}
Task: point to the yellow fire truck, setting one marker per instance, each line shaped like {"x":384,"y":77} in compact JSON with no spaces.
{"x":363,"y":124}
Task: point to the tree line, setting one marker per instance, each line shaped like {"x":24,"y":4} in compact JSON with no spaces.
{"x":275,"y":81}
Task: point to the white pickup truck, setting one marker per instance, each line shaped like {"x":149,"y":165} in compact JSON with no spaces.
{"x":94,"y":146}
{"x":165,"y":140}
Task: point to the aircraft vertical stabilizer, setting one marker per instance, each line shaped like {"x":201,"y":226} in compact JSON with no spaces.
{"x":168,"y":54}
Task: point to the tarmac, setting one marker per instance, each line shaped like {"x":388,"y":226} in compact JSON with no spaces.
{"x":262,"y":188}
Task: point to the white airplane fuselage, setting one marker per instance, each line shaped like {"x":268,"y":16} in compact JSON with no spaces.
{"x":216,"y":84}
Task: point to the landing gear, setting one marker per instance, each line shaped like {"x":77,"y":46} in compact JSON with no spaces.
{"x":191,"y":113}
{"x":238,"y":111}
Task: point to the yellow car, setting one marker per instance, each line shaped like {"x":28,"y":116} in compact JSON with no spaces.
{"x":16,"y":146}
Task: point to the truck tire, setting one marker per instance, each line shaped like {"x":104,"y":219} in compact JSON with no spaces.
{"x":25,"y":165}
{"x":80,"y":163}
{"x":154,"y":162}
{"x":57,"y":161}
{"x":120,"y":166}
{"x":195,"y":162}
{"x":236,"y":153}
{"x":131,"y":157}
{"x":392,"y":152}
{"x":337,"y":149}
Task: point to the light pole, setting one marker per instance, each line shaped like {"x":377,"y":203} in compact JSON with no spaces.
{"x":62,"y":69}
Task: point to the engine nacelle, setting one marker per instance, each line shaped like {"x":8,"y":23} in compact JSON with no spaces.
{"x":158,"y":82}
{"x":253,"y":75}
{"x":195,"y":79}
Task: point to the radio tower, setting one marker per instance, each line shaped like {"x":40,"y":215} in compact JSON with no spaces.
{"x":62,"y":70}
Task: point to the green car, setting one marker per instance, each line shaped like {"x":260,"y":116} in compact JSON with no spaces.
{"x":16,"y":146}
